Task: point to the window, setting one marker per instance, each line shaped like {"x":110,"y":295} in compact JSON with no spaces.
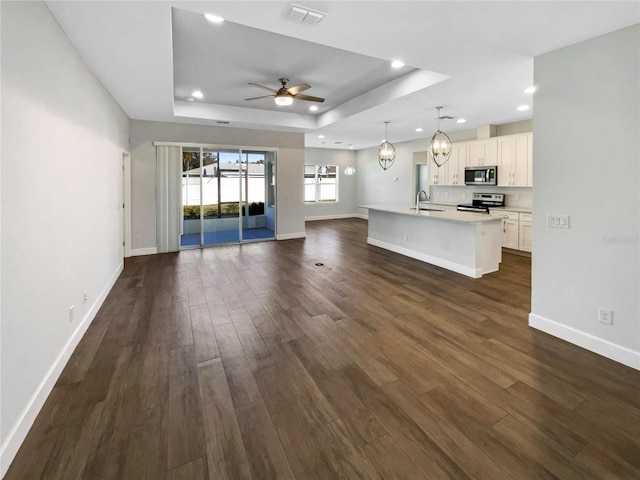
{"x":320,"y":183}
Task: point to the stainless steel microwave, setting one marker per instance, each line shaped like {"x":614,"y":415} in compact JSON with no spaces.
{"x":481,"y":175}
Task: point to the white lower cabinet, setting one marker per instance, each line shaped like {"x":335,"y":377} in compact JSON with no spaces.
{"x":510,"y":233}
{"x":524,"y":233}
{"x":516,"y":229}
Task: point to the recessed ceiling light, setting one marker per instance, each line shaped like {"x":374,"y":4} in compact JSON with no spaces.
{"x":522,"y":108}
{"x":313,"y":108}
{"x":418,"y":129}
{"x":461,"y":120}
{"x":197,"y":94}
{"x":397,"y":64}
{"x":320,"y":136}
{"x":531,"y":89}
{"x":213,"y":18}
{"x":351,"y":146}
{"x":191,"y":99}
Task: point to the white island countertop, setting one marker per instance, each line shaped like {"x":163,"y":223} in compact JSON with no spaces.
{"x":450,"y":215}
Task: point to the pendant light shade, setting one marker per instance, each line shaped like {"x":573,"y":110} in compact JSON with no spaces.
{"x":386,"y":151}
{"x":440,"y":146}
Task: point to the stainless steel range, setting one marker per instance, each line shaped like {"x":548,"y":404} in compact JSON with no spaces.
{"x":482,"y":202}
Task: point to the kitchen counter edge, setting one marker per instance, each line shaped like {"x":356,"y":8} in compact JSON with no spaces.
{"x":447,"y":215}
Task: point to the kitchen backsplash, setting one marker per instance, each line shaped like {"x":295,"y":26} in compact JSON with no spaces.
{"x":521,"y":197}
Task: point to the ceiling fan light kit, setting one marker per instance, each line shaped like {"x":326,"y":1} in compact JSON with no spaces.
{"x":440,"y":146}
{"x":386,"y":151}
{"x":283,"y":100}
{"x":284,"y":95}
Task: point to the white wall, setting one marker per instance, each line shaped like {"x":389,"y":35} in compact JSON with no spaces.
{"x":63,"y":137}
{"x":346,"y":204}
{"x":290,"y":162}
{"x":586,"y":149}
{"x":394,"y":185}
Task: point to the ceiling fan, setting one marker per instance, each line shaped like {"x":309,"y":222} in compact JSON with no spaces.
{"x":284,"y":95}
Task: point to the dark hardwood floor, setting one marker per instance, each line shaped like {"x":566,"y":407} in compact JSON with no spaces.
{"x":258,"y":362}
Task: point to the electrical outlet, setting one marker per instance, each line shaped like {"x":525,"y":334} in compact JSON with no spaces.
{"x":406,"y":237}
{"x":71,"y":313}
{"x":605,"y":316}
{"x":84,"y":297}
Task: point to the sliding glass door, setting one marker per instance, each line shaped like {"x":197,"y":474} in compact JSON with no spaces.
{"x":258,"y":195}
{"x":228,"y":195}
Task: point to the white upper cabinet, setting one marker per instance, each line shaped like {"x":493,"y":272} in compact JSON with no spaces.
{"x":437,"y":175}
{"x":514,"y":160}
{"x":482,"y":152}
{"x":513,"y":154}
{"x":456,"y":163}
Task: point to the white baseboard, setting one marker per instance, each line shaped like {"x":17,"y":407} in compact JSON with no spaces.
{"x":289,"y":236}
{"x":144,"y":251}
{"x":439,"y":262}
{"x":624,"y":355}
{"x":330,"y":217}
{"x":20,"y":429}
{"x":363,"y":216}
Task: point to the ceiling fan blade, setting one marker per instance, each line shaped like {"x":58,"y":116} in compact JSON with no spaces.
{"x":257,"y":98}
{"x":262,"y":86}
{"x":298,"y":88}
{"x":308,"y":98}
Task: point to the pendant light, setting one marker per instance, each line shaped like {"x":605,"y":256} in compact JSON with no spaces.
{"x":440,"y":147}
{"x":323,"y":170}
{"x":386,"y":151}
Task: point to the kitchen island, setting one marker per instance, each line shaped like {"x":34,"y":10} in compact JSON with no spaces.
{"x":465,"y":242}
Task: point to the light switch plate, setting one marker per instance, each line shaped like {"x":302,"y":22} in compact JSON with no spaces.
{"x":557,"y":220}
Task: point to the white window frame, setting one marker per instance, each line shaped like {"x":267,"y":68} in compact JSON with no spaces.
{"x":318,"y":178}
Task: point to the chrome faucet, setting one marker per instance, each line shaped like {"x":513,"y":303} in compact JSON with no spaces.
{"x":418,"y":198}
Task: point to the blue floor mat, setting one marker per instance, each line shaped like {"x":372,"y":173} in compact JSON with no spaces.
{"x":225,"y":237}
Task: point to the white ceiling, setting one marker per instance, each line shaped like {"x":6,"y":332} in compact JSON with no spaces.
{"x":473,"y":58}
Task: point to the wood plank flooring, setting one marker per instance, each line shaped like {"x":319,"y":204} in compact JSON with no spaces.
{"x":254,"y":362}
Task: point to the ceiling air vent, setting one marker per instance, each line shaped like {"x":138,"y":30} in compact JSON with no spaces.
{"x":222,"y":122}
{"x":304,"y":15}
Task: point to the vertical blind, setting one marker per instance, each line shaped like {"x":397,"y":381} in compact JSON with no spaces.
{"x":168,"y":197}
